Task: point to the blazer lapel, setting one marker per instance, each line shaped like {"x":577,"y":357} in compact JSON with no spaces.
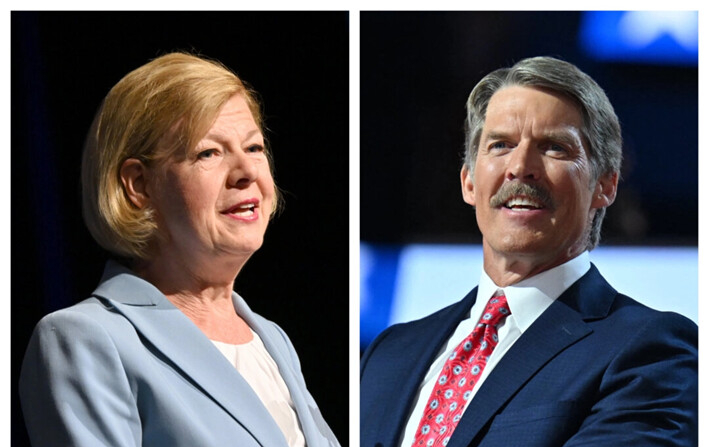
{"x":313,"y":425}
{"x":561,"y":325}
{"x":185,"y":346}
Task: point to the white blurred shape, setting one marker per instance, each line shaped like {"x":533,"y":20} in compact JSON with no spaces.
{"x":431,"y":277}
{"x":641,"y":28}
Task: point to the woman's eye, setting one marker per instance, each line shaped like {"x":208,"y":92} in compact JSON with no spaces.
{"x":209,"y":153}
{"x":255,"y":148}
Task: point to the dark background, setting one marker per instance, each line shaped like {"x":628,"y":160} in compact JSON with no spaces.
{"x":417,"y":70}
{"x":64,"y":63}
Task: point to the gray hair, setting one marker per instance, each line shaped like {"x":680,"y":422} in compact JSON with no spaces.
{"x":601,"y":129}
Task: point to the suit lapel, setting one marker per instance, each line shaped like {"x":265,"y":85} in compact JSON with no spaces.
{"x":414,"y":355}
{"x":188,"y":349}
{"x":561,"y":325}
{"x":556,"y":329}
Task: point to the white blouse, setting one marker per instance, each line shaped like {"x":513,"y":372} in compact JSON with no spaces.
{"x":261,"y":372}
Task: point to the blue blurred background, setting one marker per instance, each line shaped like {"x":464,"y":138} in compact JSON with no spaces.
{"x":420,"y":246}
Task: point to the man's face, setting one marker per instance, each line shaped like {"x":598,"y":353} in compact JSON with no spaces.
{"x":532,"y":186}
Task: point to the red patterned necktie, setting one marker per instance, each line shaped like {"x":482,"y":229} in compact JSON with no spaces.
{"x":457,"y":379}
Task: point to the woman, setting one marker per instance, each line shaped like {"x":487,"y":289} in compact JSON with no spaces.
{"x":177,"y":184}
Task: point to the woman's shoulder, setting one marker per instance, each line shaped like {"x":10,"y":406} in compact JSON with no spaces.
{"x":89,"y":319}
{"x":89,"y":307}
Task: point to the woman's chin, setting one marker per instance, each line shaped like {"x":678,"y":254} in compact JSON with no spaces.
{"x":241,"y":248}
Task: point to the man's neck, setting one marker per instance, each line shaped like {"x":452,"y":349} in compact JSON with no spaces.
{"x":507,"y":269}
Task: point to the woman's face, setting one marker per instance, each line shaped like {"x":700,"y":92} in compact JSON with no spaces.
{"x":218,"y":199}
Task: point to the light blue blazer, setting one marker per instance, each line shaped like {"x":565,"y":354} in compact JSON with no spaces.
{"x":127,"y":368}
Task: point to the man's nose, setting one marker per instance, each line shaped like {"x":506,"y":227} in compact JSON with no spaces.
{"x":525,"y":162}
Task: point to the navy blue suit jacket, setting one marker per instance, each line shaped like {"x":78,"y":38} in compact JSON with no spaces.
{"x":596,"y":369}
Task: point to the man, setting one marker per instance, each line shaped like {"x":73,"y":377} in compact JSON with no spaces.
{"x":544,"y":352}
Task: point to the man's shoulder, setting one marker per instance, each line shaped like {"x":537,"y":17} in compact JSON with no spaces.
{"x":454,"y":311}
{"x":595,"y":299}
{"x":631,"y":329}
{"x":423,"y":330}
{"x":633,"y":313}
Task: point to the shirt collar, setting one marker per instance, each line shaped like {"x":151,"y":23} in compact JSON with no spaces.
{"x":529,"y":298}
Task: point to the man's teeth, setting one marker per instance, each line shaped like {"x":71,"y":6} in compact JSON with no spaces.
{"x":521,"y":202}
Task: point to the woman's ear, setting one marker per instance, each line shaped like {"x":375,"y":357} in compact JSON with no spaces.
{"x":133,"y":176}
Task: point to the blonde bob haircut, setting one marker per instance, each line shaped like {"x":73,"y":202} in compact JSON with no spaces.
{"x":177,"y":95}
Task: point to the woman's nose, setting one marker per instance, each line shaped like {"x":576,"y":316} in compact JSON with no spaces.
{"x":243,"y":170}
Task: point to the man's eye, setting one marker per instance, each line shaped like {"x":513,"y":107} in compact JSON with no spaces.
{"x":498,"y":145}
{"x":558,"y":148}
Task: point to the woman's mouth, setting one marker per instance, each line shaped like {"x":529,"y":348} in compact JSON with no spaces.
{"x":246,"y":210}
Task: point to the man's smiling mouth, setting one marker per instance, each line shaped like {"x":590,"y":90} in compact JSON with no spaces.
{"x":522,"y":203}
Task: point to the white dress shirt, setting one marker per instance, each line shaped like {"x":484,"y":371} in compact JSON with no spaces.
{"x":526,"y":299}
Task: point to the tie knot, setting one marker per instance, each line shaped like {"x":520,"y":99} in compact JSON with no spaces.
{"x":496,"y":310}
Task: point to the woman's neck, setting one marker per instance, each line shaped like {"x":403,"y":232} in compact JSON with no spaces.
{"x":204,"y":295}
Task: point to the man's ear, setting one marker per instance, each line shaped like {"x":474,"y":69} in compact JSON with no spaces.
{"x":134,"y":178}
{"x":605,"y":190}
{"x":466,"y":185}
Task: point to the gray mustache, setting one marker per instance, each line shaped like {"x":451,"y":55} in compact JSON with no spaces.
{"x":511,"y":189}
